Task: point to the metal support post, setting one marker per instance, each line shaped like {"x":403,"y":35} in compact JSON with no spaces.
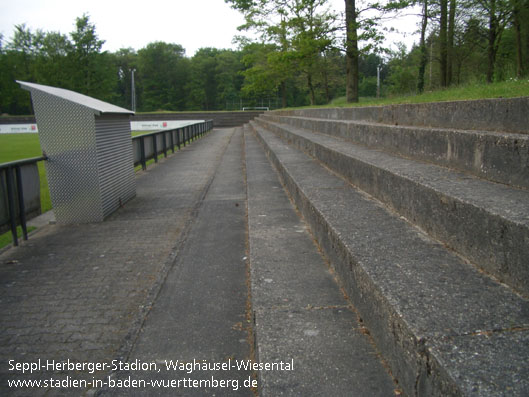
{"x":11,"y":204}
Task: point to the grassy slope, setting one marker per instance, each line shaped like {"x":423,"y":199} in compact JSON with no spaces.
{"x":507,"y":89}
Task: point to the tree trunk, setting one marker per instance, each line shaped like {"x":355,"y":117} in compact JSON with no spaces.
{"x":491,"y":47}
{"x":351,"y":52}
{"x":518,"y":34}
{"x":284,"y":94}
{"x":525,"y":32}
{"x":450,"y":49}
{"x":424,"y":51}
{"x":311,"y":89}
{"x":284,"y":47}
{"x":326,"y":81}
{"x":443,"y":46}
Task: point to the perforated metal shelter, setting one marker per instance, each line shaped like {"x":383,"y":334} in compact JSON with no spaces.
{"x":89,"y":149}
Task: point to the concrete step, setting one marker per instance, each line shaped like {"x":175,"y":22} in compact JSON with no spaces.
{"x":300,"y":313}
{"x":488,"y":223}
{"x":444,"y":327}
{"x":499,"y":157}
{"x":501,"y":115}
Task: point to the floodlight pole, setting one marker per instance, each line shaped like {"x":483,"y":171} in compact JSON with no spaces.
{"x":378,"y":80}
{"x":133,"y":91}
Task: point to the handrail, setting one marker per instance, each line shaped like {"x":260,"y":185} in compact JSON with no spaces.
{"x":150,"y":145}
{"x":22,"y":162}
{"x":145,"y":147}
{"x":12,"y":190}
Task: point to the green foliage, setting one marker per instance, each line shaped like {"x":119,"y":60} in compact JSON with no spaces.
{"x":203,"y":80}
{"x":125,"y":61}
{"x":368,"y":87}
{"x":295,"y":35}
{"x":90,"y":70}
{"x":53,"y":59}
{"x":162,"y":76}
{"x":403,"y":73}
{"x":265,"y":70}
{"x":299,"y":59}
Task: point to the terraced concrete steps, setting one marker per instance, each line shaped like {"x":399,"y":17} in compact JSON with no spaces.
{"x":497,"y":156}
{"x":503,"y":115}
{"x":486,"y":222}
{"x":444,"y":327}
{"x":301,"y":315}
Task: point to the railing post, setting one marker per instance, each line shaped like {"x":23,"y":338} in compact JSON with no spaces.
{"x":164,"y":136}
{"x":185,"y":136}
{"x":142,"y":154}
{"x":172,"y":140}
{"x":21,"y":207}
{"x":11,"y":204}
{"x":178,"y":137}
{"x":155,"y":147}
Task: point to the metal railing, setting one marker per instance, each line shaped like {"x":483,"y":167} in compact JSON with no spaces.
{"x":151,"y":145}
{"x":11,"y":179}
{"x":14,"y":206}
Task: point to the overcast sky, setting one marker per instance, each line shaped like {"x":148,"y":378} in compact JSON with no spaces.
{"x":135,"y":23}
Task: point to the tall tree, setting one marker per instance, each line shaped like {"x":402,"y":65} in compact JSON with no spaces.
{"x":518,"y":18}
{"x":364,"y":26}
{"x":229,"y":78}
{"x":422,"y":46}
{"x":301,"y":30}
{"x":203,"y":81}
{"x":351,"y":51}
{"x":497,"y":12}
{"x":19,"y":64}
{"x":443,"y":41}
{"x":311,"y":38}
{"x":162,"y":76}
{"x":450,"y":41}
{"x":261,"y":77}
{"x":91,"y":70}
{"x":269,"y":19}
{"x":52,"y":66}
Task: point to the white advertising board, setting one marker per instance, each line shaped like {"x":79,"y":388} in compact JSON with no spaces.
{"x":150,"y":125}
{"x":18,"y":128}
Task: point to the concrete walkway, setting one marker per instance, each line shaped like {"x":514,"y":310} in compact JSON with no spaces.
{"x":157,"y":300}
{"x":82,"y":292}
